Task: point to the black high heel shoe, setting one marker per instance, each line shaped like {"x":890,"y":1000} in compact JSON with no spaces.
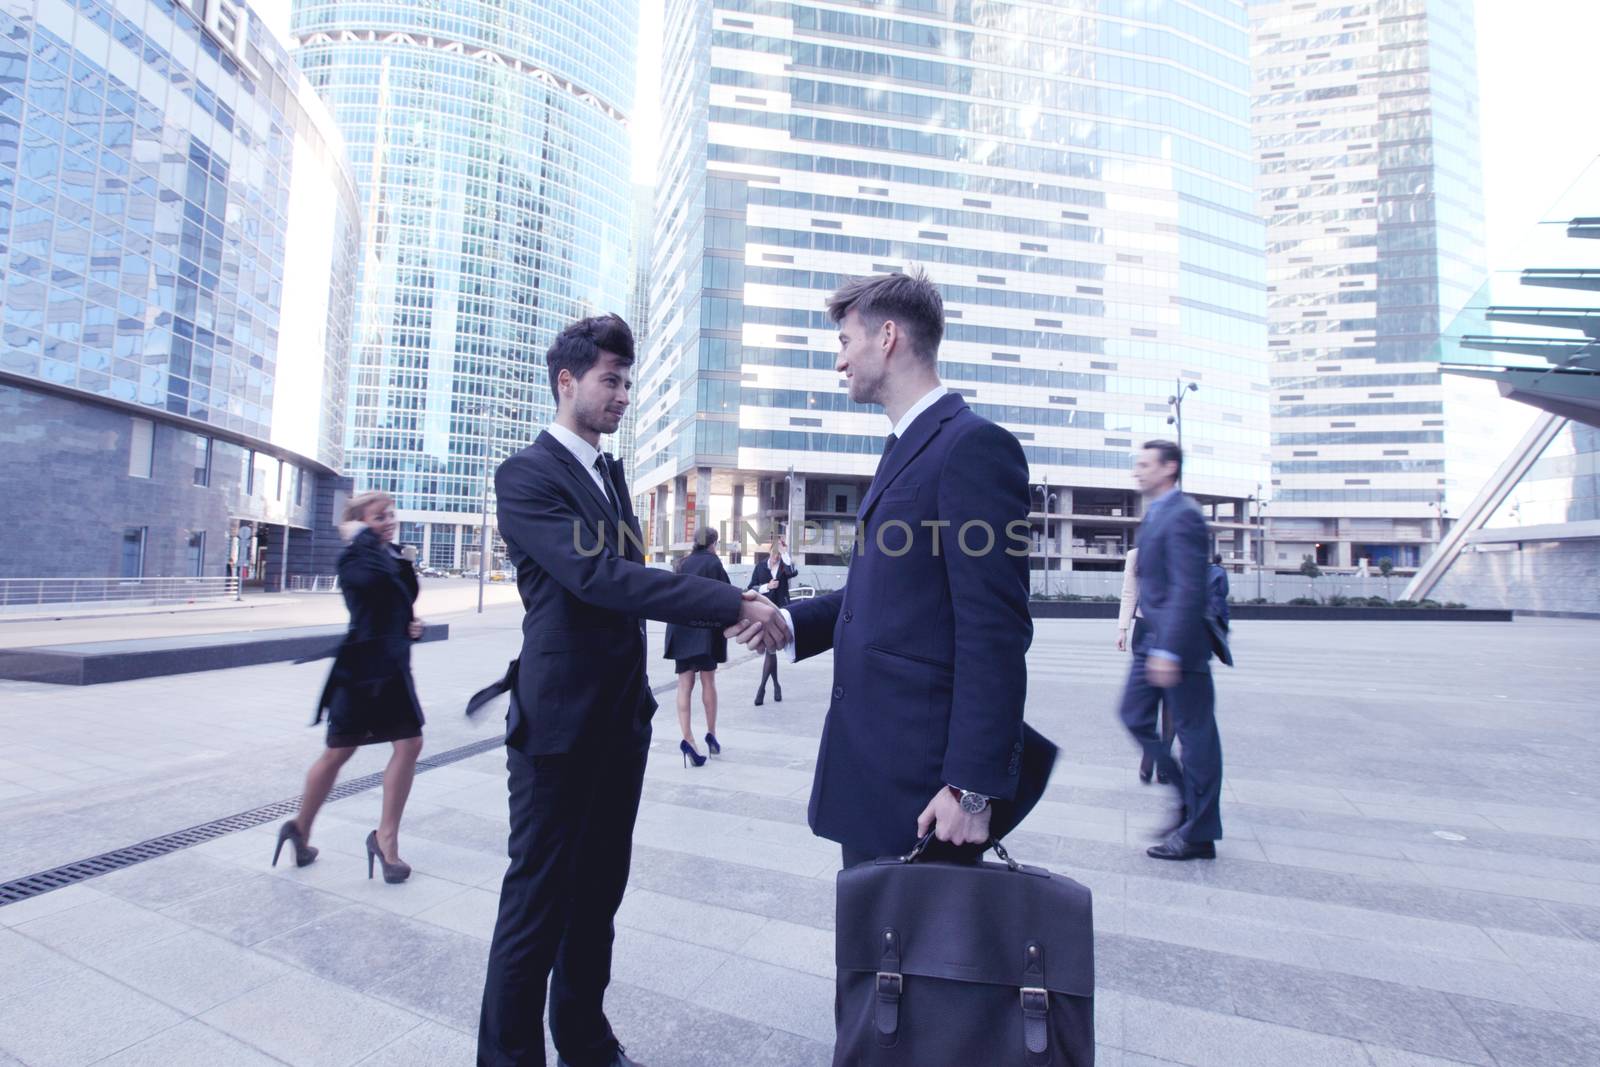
{"x":392,"y":872}
{"x":761,"y":694}
{"x":689,"y":754}
{"x":304,"y":854}
{"x":777,"y":692}
{"x":712,"y":745}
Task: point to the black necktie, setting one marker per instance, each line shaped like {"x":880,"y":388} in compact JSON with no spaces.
{"x":603,"y":467}
{"x":888,"y":446}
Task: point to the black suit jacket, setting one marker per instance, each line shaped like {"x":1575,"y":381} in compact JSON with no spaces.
{"x":586,"y":591}
{"x":929,"y":641}
{"x":687,"y":642}
{"x":762,"y":574}
{"x":1172,"y":582}
{"x":379,"y":589}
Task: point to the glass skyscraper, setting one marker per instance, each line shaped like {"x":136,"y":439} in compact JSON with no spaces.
{"x":1078,"y":182}
{"x":1367,"y":141}
{"x":178,"y":239}
{"x":491,"y":150}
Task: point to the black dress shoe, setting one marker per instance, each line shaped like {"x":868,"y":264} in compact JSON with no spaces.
{"x":618,"y":1059}
{"x":1176,"y":848}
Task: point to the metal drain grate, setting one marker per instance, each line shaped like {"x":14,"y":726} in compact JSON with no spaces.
{"x":80,"y":870}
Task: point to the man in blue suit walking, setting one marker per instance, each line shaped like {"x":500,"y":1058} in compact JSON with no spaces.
{"x":930,"y":635}
{"x":1172,"y":652}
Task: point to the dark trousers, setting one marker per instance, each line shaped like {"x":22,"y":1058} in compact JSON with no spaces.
{"x":1192,"y":703}
{"x":572,"y":818}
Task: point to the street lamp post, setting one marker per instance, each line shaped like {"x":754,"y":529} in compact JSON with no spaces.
{"x":1176,"y":418}
{"x":483,"y":522}
{"x":1261,"y":545}
{"x":1050,"y":500}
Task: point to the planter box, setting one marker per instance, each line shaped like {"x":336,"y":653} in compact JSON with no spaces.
{"x":1057,"y":609}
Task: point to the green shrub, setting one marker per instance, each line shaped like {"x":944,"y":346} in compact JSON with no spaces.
{"x":1306,"y":602}
{"x":1454,"y":604}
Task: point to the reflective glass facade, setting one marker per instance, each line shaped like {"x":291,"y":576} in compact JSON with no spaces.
{"x":178,"y":235}
{"x":1078,"y":183}
{"x":491,"y":154}
{"x":1366,"y":135}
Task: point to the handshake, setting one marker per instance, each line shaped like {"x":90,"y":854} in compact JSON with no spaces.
{"x":760,"y":627}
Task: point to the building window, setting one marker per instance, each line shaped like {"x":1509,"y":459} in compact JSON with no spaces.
{"x":197,"y":553}
{"x":442,"y":546}
{"x":133,"y":538}
{"x":411,"y":534}
{"x":141,"y":448}
{"x":202,"y":459}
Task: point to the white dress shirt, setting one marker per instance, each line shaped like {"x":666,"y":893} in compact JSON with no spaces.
{"x":928,"y":399}
{"x":583,"y":452}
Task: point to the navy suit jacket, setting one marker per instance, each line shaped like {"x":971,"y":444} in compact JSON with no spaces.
{"x":929,"y":641}
{"x":1217,"y":593}
{"x":581,"y":678}
{"x":1172,"y":581}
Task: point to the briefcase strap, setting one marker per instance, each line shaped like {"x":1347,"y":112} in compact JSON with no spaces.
{"x":891,"y":983}
{"x":1035,"y":1007}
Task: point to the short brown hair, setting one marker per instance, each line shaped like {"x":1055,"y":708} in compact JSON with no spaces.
{"x":911,"y":301}
{"x":358,"y":506}
{"x":577,"y":348}
{"x":1169,"y":452}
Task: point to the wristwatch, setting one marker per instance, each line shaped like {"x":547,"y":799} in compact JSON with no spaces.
{"x":972,"y":803}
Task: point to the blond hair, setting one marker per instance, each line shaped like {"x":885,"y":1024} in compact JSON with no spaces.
{"x":360,"y":504}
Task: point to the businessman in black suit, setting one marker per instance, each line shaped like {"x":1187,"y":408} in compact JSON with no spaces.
{"x":931,"y":632}
{"x":578,"y":730}
{"x":1217,"y":591}
{"x":1172,"y":653}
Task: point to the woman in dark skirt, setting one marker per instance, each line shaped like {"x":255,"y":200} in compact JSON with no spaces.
{"x":770,"y":578}
{"x":698,"y":651}
{"x":369,"y":697}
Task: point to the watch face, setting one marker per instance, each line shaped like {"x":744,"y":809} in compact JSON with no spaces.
{"x":972,"y":803}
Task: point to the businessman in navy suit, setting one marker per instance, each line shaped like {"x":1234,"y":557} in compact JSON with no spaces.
{"x":578,"y":730}
{"x":930,"y":634}
{"x":1172,"y":652}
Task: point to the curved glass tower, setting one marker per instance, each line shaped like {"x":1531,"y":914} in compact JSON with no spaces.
{"x":492,"y":155}
{"x":1076,"y":178}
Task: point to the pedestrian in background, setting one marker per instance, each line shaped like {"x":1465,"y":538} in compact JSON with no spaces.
{"x":1172,"y":647}
{"x":1127,"y":615}
{"x":1217,"y":591}
{"x":369,"y":697}
{"x":696,"y":651}
{"x":770,"y":577}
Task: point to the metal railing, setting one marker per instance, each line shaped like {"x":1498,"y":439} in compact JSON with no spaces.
{"x":19,"y":593}
{"x":313,"y":583}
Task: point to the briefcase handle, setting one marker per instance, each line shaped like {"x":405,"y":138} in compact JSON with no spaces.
{"x":927,"y":838}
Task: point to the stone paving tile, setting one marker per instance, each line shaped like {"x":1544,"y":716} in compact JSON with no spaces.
{"x":191,"y":972}
{"x":1526,"y":1037}
{"x":100,"y":928}
{"x":172,"y":878}
{"x":1179,"y":1034}
{"x":303,"y":1020}
{"x":29,"y":965}
{"x":189,"y":1044}
{"x":429,"y":1045}
{"x":774,"y":996}
{"x":256,"y":909}
{"x":79,"y":1019}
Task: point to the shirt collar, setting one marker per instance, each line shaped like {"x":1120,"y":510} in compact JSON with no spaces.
{"x":581,"y":450}
{"x":1164,"y":496}
{"x":929,"y":399}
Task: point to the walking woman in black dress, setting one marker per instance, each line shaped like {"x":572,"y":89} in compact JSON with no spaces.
{"x":697,"y":651}
{"x":369,"y":697}
{"x":770,"y":578}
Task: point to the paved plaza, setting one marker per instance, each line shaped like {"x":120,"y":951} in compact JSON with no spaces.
{"x":1410,"y":876}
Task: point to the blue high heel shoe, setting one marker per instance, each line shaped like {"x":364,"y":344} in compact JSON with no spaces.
{"x":689,"y":754}
{"x":712,"y":745}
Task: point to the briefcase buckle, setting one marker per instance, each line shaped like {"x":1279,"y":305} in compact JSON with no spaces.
{"x":890,"y":984}
{"x":1035,"y":999}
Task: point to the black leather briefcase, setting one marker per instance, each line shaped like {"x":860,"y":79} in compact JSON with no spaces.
{"x":962,"y":965}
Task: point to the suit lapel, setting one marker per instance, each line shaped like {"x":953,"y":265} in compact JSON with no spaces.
{"x":923,"y":428}
{"x":619,"y":486}
{"x":578,"y":474}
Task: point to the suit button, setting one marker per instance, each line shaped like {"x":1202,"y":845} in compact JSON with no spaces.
{"x":847,"y":615}
{"x":838,"y":692}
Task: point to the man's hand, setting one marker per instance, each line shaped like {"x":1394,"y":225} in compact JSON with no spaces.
{"x":1161,"y":672}
{"x":760,"y":626}
{"x":414,"y":629}
{"x":1122,"y":639}
{"x":772,"y":585}
{"x":950,"y":823}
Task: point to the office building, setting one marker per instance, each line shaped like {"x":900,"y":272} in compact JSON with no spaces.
{"x":179,"y":233}
{"x":1078,"y":183}
{"x":1366,"y":136}
{"x":489,"y":144}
